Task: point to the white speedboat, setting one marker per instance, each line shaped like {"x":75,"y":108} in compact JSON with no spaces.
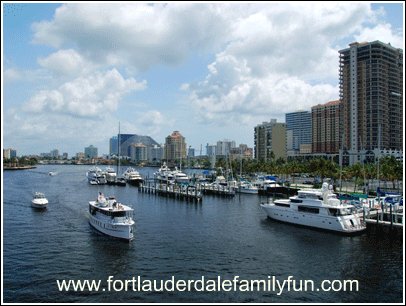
{"x":316,"y":208}
{"x":111,"y":217}
{"x":39,"y":201}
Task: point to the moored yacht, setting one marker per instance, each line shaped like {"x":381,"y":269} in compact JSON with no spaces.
{"x":111,"y":217}
{"x":164,"y":174}
{"x":110,"y":175}
{"x":180,"y":177}
{"x":39,"y":201}
{"x":247,"y":187}
{"x":316,"y":208}
{"x":133,"y":177}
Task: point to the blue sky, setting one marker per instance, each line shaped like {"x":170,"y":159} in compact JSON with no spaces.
{"x":72,"y":72}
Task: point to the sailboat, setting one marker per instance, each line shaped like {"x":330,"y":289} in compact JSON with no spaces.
{"x":120,"y":180}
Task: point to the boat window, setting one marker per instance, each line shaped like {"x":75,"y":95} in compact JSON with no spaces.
{"x":282,"y":204}
{"x":333,"y":212}
{"x":347,"y":211}
{"x":307,"y":209}
{"x":296,"y":201}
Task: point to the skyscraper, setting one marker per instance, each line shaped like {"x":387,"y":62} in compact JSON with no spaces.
{"x":175,"y":147}
{"x":299,"y":131}
{"x":326,"y":128}
{"x":91,"y":152}
{"x":371,"y":92}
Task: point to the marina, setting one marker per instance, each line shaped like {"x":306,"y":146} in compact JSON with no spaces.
{"x":218,"y":236}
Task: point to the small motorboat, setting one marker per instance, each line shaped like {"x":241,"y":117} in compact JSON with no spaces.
{"x":39,"y":200}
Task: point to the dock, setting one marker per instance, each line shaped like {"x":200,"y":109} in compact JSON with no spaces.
{"x":220,"y":190}
{"x":385,"y":220}
{"x":176,"y":191}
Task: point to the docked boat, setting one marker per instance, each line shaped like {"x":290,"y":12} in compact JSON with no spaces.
{"x":318,"y":208}
{"x":111,"y":217}
{"x":95,"y":176}
{"x":110,"y":175}
{"x":246,"y":187}
{"x":164,"y":174}
{"x":180,"y":177}
{"x":133,"y":177}
{"x":39,"y":201}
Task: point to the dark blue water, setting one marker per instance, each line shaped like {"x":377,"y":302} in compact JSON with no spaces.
{"x":218,"y":237}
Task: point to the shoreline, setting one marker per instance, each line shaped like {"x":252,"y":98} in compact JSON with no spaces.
{"x":19,"y":168}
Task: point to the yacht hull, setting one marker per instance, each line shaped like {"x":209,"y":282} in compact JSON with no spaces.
{"x":348,"y":225}
{"x":122,"y":231}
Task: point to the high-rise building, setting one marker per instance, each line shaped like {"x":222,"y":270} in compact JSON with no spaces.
{"x":55,"y":153}
{"x":175,"y":147}
{"x":211,"y":150}
{"x":270,"y":140}
{"x":91,"y":152}
{"x":298,"y":131}
{"x":223,"y":147}
{"x":371,"y":92}
{"x":155,"y":154}
{"x":138,"y":152}
{"x":9,"y":153}
{"x":113,"y":146}
{"x":326,"y":128}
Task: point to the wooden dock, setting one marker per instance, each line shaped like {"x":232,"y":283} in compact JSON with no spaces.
{"x":224,"y":191}
{"x":386,"y":221}
{"x":176,"y":191}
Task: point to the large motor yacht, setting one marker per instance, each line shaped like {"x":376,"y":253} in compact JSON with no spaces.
{"x":133,"y":177}
{"x":317,"y":208}
{"x":111,"y":218}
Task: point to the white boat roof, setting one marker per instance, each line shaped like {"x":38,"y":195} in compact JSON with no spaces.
{"x":108,"y":205}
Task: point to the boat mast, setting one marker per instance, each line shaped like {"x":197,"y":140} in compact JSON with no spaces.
{"x":118,"y":150}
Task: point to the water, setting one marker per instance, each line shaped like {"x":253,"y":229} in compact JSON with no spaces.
{"x":218,"y":237}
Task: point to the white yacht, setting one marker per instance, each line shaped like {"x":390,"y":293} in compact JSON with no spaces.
{"x":180,"y":177}
{"x":110,"y":175}
{"x":132,"y":176}
{"x":316,"y":208}
{"x":39,"y":200}
{"x":95,"y":176}
{"x":164,"y":174}
{"x":111,"y":218}
{"x":246,"y":187}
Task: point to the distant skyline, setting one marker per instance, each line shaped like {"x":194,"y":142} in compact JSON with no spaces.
{"x":212,"y":71}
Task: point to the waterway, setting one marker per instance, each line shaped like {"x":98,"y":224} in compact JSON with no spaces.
{"x":176,"y":240}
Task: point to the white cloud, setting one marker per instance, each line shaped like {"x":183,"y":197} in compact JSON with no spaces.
{"x":136,"y":34}
{"x":89,"y":95}
{"x":12,"y":74}
{"x":382,"y":32}
{"x":266,"y":59}
{"x":66,"y":63}
{"x":279,"y":59}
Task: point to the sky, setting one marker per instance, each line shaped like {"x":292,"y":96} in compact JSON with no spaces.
{"x":72,"y":73}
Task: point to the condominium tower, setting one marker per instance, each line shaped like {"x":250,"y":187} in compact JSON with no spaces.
{"x":371,"y":92}
{"x":175,"y":147}
{"x":270,"y":140}
{"x":298,"y":131}
{"x":326,"y":127}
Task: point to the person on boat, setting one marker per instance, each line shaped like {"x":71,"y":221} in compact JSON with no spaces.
{"x":101,"y":198}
